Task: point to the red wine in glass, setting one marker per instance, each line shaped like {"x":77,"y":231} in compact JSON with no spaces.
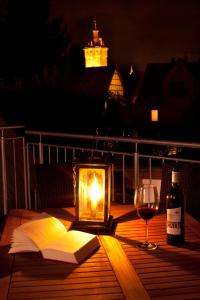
{"x":146,"y":200}
{"x":146,"y":213}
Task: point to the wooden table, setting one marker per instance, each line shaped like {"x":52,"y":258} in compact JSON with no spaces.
{"x":118,"y":270}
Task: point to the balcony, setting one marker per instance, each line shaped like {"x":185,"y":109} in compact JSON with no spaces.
{"x":31,"y":158}
{"x":118,"y":270}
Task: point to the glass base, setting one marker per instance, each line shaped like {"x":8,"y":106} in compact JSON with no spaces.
{"x":147,"y":246}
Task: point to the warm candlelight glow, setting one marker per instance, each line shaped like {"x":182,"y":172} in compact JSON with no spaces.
{"x":95,"y":193}
{"x":91,"y":193}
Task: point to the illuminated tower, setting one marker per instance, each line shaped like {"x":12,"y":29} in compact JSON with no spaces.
{"x":96,"y":53}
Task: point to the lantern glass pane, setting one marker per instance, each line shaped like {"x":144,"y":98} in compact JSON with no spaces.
{"x":92,"y":194}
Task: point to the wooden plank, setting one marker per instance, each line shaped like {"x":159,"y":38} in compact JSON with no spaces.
{"x":126,"y":275}
{"x":75,"y":275}
{"x":172,"y":285}
{"x":190,"y":296}
{"x":61,"y":286}
{"x":107,"y":296}
{"x":175,"y":291}
{"x":65,"y":293}
{"x":67,"y":281}
{"x":72,"y":296}
{"x":174,"y":277}
{"x":168,"y":274}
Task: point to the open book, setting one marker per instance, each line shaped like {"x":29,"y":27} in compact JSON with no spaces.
{"x":48,"y":235}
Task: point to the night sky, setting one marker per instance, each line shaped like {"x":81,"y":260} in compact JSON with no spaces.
{"x":136,"y":31}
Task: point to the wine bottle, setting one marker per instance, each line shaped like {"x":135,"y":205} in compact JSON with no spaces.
{"x":175,"y":211}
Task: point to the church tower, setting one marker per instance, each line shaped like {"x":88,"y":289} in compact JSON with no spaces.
{"x":96,"y":53}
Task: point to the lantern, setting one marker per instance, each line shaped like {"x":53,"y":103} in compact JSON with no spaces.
{"x":92,"y":190}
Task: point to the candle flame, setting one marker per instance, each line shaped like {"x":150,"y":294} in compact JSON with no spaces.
{"x":95,"y":193}
{"x":95,"y":190}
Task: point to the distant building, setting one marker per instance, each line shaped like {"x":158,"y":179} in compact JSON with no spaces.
{"x":118,"y":81}
{"x":170,"y":94}
{"x":116,"y":87}
{"x":97,"y":78}
{"x":103,"y":92}
{"x":96,"y":53}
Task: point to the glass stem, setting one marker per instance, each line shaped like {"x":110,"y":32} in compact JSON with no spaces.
{"x":146,"y":232}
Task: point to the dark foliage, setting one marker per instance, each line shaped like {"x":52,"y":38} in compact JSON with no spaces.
{"x":31,"y":46}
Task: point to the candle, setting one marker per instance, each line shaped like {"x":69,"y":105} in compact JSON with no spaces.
{"x":95,"y":194}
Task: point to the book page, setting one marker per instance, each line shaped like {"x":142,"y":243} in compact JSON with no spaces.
{"x":43,"y":230}
{"x":21,"y":247}
{"x":72,"y":241}
{"x":21,"y":243}
{"x":74,"y":247}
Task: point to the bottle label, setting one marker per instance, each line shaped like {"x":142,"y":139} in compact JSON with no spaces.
{"x":175,"y":177}
{"x":174,"y":221}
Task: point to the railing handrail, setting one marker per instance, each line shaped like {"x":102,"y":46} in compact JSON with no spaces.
{"x":132,"y":140}
{"x":4,"y":127}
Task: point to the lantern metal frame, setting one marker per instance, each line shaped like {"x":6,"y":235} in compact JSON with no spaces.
{"x":93,"y":224}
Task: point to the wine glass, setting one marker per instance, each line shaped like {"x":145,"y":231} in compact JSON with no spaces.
{"x":146,"y":200}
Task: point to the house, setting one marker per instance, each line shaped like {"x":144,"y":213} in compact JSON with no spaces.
{"x":172,"y":91}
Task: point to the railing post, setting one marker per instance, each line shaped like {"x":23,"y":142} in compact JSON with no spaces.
{"x":25,"y":173}
{"x":136,"y":167}
{"x":15,"y":176}
{"x":41,"y":158}
{"x":28,"y":176}
{"x":4,"y":175}
{"x":150,"y":170}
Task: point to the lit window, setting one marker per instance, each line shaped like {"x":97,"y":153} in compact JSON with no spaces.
{"x":154,"y":115}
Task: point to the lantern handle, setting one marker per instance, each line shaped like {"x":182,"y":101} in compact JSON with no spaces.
{"x":74,"y":183}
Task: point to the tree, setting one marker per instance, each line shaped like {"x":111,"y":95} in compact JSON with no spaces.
{"x":32,"y":48}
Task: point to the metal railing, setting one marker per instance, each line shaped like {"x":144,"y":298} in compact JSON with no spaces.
{"x":61,"y":147}
{"x":38,"y":147}
{"x":13,"y":176}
